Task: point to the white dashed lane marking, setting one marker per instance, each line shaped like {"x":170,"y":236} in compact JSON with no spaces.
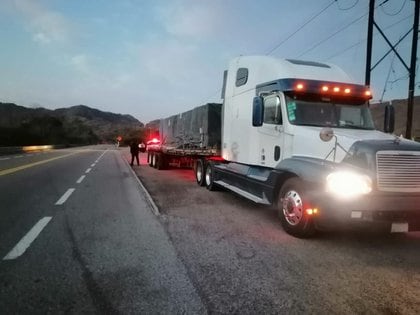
{"x":66,"y":195}
{"x":33,"y":233}
{"x":81,"y":179}
{"x":27,"y":240}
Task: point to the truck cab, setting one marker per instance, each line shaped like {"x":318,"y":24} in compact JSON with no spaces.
{"x":299,"y":135}
{"x":287,"y":101}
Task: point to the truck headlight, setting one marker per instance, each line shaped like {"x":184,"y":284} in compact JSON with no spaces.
{"x":348,"y":184}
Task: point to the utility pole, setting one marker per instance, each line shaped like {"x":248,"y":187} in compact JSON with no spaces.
{"x":411,"y":70}
{"x":411,"y":83}
{"x":369,"y":42}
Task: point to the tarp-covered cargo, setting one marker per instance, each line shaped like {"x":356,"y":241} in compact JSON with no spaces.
{"x":199,"y":128}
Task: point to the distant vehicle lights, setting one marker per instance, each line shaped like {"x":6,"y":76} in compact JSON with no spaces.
{"x":153,"y":141}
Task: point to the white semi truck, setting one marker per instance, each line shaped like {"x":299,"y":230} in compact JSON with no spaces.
{"x":299,"y":135}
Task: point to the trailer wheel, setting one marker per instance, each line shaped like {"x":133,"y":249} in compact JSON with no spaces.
{"x":150,"y":158}
{"x":209,"y":177}
{"x":291,"y":209}
{"x":154,"y":159}
{"x":199,"y":172}
{"x":161,"y":161}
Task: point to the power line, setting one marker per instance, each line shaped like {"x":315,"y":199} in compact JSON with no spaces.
{"x":303,"y":25}
{"x":392,"y":14}
{"x":291,"y":35}
{"x":363,"y":40}
{"x":391,"y":69}
{"x":404,"y":77}
{"x":350,"y":7}
{"x":332,"y":35}
{"x":345,"y":27}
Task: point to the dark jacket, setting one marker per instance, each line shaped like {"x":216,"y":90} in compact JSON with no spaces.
{"x":134,"y":148}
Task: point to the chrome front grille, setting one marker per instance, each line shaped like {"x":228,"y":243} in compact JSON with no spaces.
{"x":398,"y":171}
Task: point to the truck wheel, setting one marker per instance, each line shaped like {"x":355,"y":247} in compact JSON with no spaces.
{"x":199,"y":172}
{"x":154,"y":159}
{"x":209,"y":177}
{"x":150,"y":158}
{"x":291,"y":209}
{"x":161,"y":161}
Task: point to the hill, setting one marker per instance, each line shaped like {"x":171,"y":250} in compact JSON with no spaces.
{"x":79,"y":124}
{"x":400,"y":106}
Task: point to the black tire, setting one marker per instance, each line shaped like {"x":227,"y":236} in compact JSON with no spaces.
{"x":154,"y":159}
{"x":150,"y":158}
{"x":291,"y":209}
{"x":161,"y":161}
{"x":209,"y":177}
{"x":199,"y":171}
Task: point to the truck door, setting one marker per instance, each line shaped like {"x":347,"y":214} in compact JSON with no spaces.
{"x":271,"y":132}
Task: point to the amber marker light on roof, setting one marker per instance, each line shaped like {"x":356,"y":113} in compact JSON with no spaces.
{"x":325,"y":88}
{"x":368,"y":93}
{"x":299,"y":86}
{"x":336,"y":89}
{"x":347,"y":91}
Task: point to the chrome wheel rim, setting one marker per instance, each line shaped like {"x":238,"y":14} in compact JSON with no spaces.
{"x":199,"y":173}
{"x":292,"y":207}
{"x":208,"y":176}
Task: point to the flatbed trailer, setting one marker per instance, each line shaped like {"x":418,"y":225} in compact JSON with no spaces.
{"x":186,"y":137}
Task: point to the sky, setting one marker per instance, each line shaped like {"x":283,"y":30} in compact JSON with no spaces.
{"x":155,"y":58}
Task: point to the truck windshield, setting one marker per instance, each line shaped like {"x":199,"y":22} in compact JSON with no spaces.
{"x":309,"y":112}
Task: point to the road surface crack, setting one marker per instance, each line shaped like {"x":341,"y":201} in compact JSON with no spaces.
{"x":101,"y":303}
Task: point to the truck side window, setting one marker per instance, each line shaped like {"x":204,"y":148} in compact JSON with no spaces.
{"x":272,"y":110}
{"x":292,"y":110}
{"x":241,"y":76}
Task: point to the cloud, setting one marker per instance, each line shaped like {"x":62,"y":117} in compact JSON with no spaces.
{"x":121,"y":80}
{"x":80,"y":63}
{"x":169,"y":60}
{"x":175,"y":76}
{"x":41,"y":38}
{"x":191,"y":18}
{"x":46,"y":25}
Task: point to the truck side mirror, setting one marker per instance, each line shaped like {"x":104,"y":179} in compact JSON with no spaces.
{"x":389,"y":121}
{"x":257,"y":111}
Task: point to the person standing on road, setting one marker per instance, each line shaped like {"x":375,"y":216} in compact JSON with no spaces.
{"x":134,"y":150}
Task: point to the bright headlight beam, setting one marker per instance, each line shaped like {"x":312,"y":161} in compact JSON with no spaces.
{"x":347,"y":184}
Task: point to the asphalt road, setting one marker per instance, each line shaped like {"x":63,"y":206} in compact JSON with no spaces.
{"x":78,"y":236}
{"x":242,"y":262}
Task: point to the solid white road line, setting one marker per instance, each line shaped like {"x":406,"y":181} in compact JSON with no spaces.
{"x":26,"y":241}
{"x":65,"y":196}
{"x":81,"y":179}
{"x":4,"y":159}
{"x":88,"y":170}
{"x":93,"y":165}
{"x":18,"y":156}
